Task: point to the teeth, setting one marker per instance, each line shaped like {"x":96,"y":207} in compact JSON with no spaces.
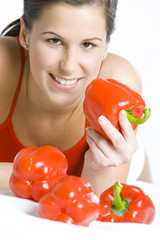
{"x":64,"y":82}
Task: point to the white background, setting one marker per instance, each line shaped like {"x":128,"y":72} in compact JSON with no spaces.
{"x":137,"y":38}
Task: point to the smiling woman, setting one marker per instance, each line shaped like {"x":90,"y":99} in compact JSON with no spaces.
{"x":52,"y":54}
{"x":68,"y":58}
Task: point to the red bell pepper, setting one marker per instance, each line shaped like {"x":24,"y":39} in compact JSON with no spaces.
{"x":108,"y":97}
{"x":36,"y":170}
{"x":72,"y":201}
{"x":126,"y":203}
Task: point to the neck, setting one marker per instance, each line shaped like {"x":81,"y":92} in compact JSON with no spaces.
{"x":37,"y":104}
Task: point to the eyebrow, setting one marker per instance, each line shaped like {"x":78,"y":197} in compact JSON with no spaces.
{"x":53,"y":33}
{"x":85,"y":40}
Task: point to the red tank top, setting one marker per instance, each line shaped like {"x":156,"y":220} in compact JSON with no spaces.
{"x":10,"y":145}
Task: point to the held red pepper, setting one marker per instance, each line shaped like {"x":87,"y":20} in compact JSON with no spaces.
{"x":36,"y":170}
{"x":108,"y":97}
{"x":72,"y":201}
{"x":126,"y":203}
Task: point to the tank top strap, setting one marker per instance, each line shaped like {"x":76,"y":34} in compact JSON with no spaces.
{"x":20,"y":81}
{"x":100,"y":69}
{"x":87,"y":124}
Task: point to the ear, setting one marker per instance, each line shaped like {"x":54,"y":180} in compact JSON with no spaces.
{"x":24,"y":34}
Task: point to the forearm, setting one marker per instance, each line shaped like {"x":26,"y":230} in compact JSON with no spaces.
{"x":102,"y":179}
{"x":99,"y":179}
{"x":5,"y":173}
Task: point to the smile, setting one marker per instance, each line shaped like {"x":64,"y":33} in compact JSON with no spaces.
{"x":63,"y":81}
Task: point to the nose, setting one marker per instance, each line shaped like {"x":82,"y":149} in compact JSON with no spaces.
{"x":69,"y":61}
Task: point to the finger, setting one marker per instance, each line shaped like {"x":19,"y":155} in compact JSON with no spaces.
{"x":109,"y":159}
{"x":127,"y":130}
{"x":115,"y":136}
{"x":98,"y":158}
{"x":103,"y":144}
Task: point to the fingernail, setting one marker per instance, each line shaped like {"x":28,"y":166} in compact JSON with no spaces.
{"x":88,"y":129}
{"x":102,"y":118}
{"x":123,"y":113}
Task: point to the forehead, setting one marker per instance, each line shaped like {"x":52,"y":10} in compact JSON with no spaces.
{"x":63,"y":17}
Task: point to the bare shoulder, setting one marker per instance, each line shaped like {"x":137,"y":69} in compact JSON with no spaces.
{"x":9,"y":56}
{"x":10,"y":65}
{"x":122,"y":70}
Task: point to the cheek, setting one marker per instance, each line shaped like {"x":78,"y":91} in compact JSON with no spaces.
{"x":42,"y":58}
{"x":92,"y":67}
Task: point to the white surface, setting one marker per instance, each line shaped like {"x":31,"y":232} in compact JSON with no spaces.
{"x":137,"y":164}
{"x":19,"y":219}
{"x":136,"y":38}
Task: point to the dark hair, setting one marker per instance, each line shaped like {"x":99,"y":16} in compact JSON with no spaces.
{"x":33,"y":8}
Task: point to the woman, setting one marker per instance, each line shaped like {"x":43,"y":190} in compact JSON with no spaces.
{"x":63,"y":48}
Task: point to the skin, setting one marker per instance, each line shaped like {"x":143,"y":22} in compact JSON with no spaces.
{"x":69,"y":51}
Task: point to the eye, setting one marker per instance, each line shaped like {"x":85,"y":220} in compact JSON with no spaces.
{"x":54,"y":41}
{"x":88,"y":45}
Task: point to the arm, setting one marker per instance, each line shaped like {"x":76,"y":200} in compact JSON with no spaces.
{"x":109,"y":161}
{"x":9,"y":75}
{"x":10,"y":62}
{"x":5,"y":173}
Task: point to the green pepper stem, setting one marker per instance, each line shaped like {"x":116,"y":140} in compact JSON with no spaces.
{"x":119,"y":204}
{"x":137,"y":121}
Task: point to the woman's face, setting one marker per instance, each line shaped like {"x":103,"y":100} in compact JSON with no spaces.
{"x":66,"y":47}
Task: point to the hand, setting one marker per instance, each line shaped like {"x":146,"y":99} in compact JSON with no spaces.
{"x":119,"y":150}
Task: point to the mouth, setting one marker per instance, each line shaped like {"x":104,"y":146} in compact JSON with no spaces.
{"x":64,"y":82}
